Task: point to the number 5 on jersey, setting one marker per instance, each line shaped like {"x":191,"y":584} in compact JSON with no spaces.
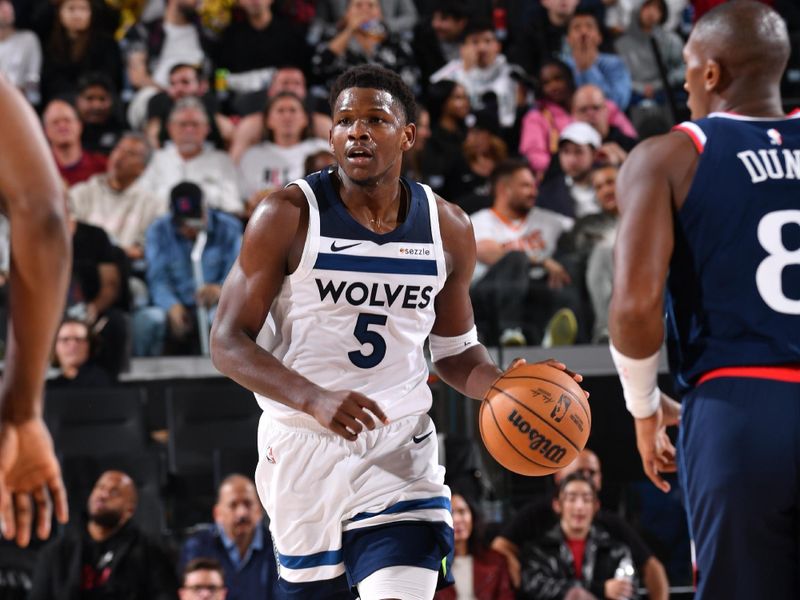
{"x":365,"y":335}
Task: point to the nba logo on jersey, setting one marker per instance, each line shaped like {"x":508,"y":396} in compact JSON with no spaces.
{"x":775,"y":137}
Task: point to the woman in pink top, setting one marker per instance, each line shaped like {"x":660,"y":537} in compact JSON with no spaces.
{"x":542,"y":125}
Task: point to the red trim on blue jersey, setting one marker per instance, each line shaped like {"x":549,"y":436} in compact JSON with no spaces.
{"x":789,"y":374}
{"x":692,"y":136}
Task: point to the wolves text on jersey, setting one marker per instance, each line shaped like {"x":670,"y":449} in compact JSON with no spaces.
{"x":357,"y":293}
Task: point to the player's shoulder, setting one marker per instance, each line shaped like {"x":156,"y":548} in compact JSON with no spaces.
{"x":663,"y":146}
{"x":278,"y":212}
{"x":452,"y":218}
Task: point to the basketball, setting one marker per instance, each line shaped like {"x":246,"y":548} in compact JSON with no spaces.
{"x":535,"y":420}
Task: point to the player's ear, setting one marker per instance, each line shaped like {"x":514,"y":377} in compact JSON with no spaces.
{"x":712,"y":75}
{"x":409,"y":136}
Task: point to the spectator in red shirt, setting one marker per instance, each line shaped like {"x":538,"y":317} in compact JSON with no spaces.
{"x":63,"y":130}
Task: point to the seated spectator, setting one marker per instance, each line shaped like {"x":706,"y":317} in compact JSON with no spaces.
{"x":176,"y":38}
{"x":448,"y":106}
{"x":96,"y":293}
{"x":187,"y":157}
{"x":97,"y":108}
{"x":479,"y":572}
{"x":590,"y":245}
{"x":484,"y":72}
{"x":239,"y":540}
{"x":272,"y":164}
{"x":63,"y":129}
{"x":518,"y":285}
{"x":589,"y":105}
{"x":185,"y":81}
{"x":73,"y":356}
{"x":437,"y":40}
{"x":20,"y":54}
{"x":108,"y":557}
{"x":577,"y":552}
{"x":542,"y":124}
{"x":362,"y":37}
{"x":77,"y":46}
{"x":589,"y":65}
{"x":400,"y":16}
{"x":537,"y":518}
{"x":111,"y":200}
{"x":569,"y":189}
{"x":636,"y":50}
{"x":256,"y":42}
{"x":175,"y":291}
{"x":203,"y":578}
{"x":250,"y":129}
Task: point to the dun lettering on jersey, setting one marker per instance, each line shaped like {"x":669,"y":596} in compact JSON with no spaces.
{"x":771,"y":164}
{"x":357,"y":293}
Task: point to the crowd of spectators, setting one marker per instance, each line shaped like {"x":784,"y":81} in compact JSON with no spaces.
{"x":141,"y":96}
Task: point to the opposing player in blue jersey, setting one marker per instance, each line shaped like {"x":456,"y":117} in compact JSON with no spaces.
{"x":356,"y":266}
{"x":712,"y":210}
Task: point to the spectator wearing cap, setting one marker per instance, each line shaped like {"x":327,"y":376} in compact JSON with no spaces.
{"x":63,"y":130}
{"x":589,"y":65}
{"x":187,"y":157}
{"x":569,"y":190}
{"x":173,"y":288}
{"x":20,"y":54}
{"x":589,"y":105}
{"x":111,"y":200}
{"x":97,"y":108}
{"x":484,"y":72}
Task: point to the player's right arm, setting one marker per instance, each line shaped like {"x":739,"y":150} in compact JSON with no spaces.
{"x":32,"y":196}
{"x":651,"y":186}
{"x":271,"y":248}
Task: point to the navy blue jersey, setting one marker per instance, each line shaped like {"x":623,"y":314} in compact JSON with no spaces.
{"x":734,"y":282}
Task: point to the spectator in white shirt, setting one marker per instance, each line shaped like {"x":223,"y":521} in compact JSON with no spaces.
{"x":484,"y":72}
{"x":272,"y":164}
{"x":114,"y":202}
{"x":187,"y":157}
{"x":20,"y":54}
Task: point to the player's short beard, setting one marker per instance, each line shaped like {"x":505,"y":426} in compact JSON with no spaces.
{"x":108,"y":519}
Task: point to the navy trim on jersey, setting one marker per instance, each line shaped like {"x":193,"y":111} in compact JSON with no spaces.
{"x":375,"y":264}
{"x":305,"y":561}
{"x":406,"y":506}
{"x":337,"y":222}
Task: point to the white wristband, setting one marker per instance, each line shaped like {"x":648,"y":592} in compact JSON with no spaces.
{"x":442,"y":347}
{"x":639,"y":378}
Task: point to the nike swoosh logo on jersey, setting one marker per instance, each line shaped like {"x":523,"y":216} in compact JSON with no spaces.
{"x":335,"y":248}
{"x":421,"y":438}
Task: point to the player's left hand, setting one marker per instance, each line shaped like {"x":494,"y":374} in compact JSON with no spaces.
{"x":655,"y":447}
{"x":552,"y":362}
{"x":29,"y":473}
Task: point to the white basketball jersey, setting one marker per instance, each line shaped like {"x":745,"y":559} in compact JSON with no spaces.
{"x":355,"y":313}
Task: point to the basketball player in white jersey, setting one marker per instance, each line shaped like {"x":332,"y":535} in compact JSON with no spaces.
{"x":32,"y":197}
{"x":356,"y":268}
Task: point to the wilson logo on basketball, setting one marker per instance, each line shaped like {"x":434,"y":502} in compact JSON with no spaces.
{"x":538,"y":441}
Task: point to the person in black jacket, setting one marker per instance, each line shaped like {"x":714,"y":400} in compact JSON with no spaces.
{"x":108,"y":559}
{"x":577,"y":553}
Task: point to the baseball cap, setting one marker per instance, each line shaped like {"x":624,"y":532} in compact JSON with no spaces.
{"x":582,"y":134}
{"x":186,"y":204}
